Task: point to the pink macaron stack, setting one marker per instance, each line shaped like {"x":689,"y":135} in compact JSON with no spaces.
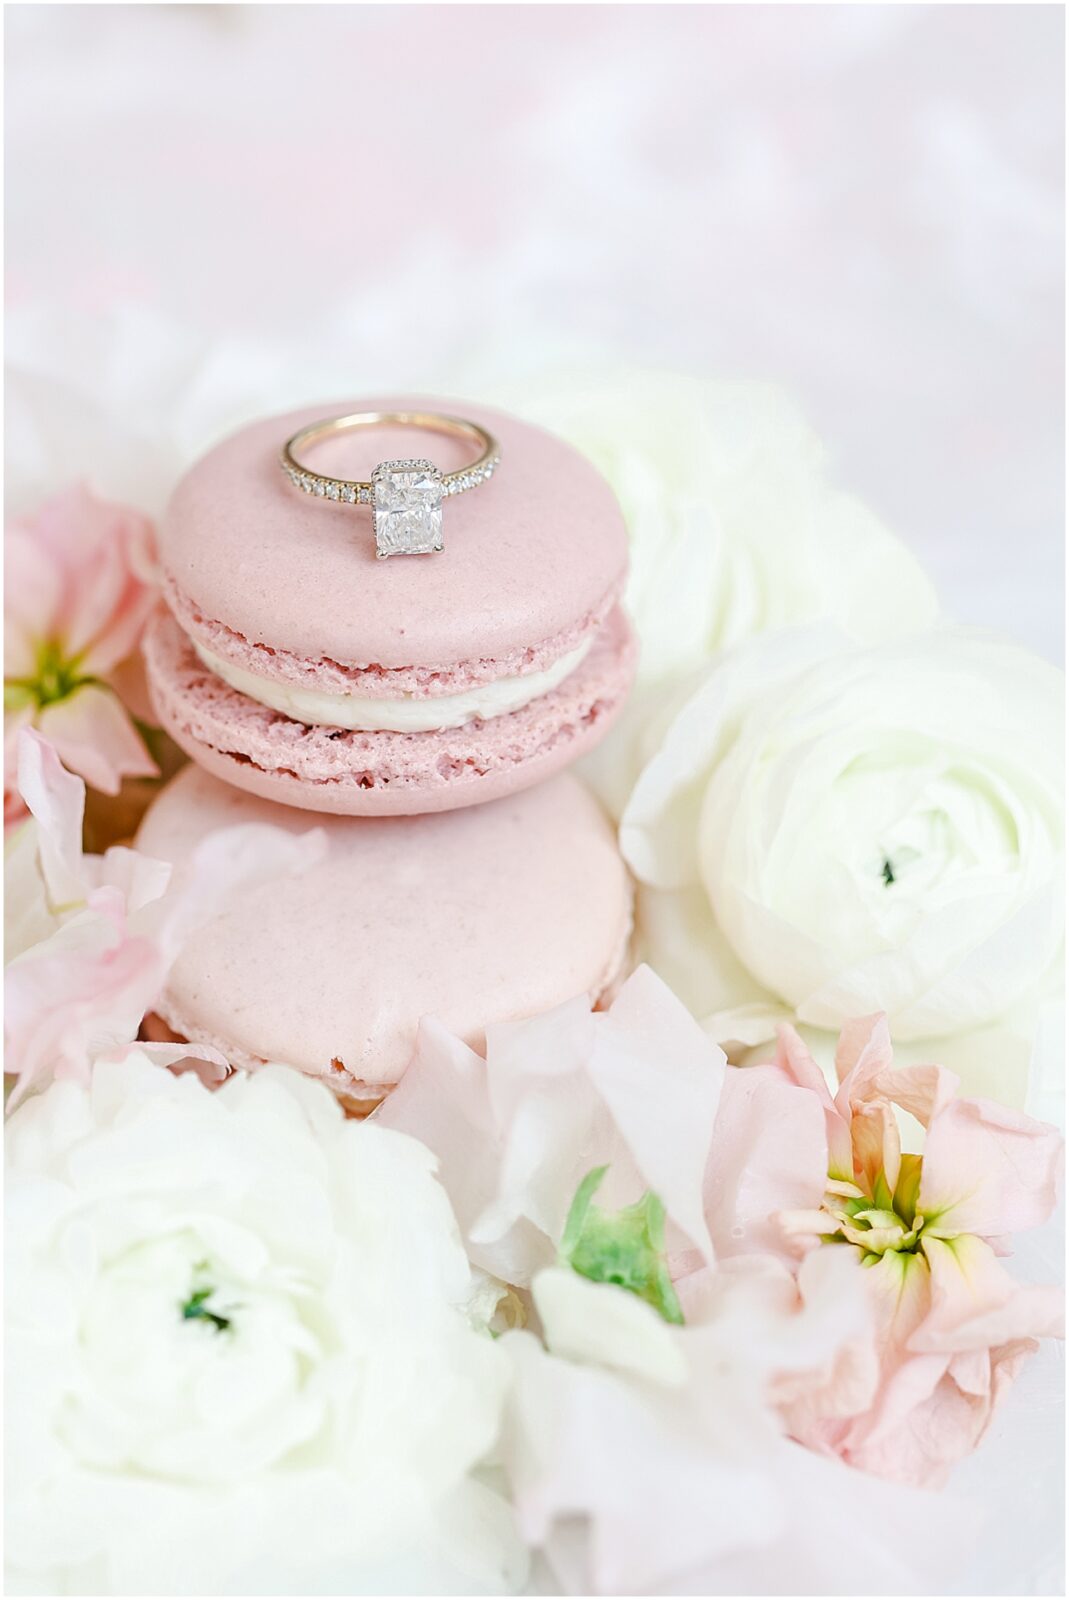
{"x":291,"y":662}
{"x":293,"y":665}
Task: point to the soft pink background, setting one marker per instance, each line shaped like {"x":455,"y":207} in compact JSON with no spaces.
{"x":863,"y":202}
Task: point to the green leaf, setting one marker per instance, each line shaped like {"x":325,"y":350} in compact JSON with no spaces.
{"x":622,"y":1247}
{"x":577,"y":1211}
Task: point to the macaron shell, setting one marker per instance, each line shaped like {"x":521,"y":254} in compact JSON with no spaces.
{"x":527,"y":555}
{"x":473,"y":917}
{"x":383,"y":774}
{"x":373,"y":681}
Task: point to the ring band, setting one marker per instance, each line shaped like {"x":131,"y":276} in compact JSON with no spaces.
{"x":406,"y":496}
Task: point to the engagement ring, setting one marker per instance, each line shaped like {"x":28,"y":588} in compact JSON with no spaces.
{"x":405,"y":496}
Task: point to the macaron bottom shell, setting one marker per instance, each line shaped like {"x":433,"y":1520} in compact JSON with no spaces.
{"x":357,"y":1099}
{"x":475,"y":917}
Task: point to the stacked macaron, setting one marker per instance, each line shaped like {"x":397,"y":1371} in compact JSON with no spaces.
{"x":291,"y":663}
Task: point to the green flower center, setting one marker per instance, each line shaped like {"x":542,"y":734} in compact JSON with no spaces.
{"x":880,"y":1221}
{"x":55,"y":677}
{"x":198,"y":1309}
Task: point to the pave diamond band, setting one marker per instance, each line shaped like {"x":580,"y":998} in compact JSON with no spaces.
{"x":405,"y":496}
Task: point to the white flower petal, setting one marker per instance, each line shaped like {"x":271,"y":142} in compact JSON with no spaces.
{"x":244,"y":1345}
{"x":870,"y":829}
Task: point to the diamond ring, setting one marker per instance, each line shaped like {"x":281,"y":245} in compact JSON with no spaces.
{"x":405,"y":496}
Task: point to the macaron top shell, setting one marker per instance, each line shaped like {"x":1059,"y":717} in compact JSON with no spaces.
{"x":528,"y":555}
{"x":474,"y":916}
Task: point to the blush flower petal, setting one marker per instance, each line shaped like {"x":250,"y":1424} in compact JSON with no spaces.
{"x":94,"y":936}
{"x":33,"y":598}
{"x":768,"y":1156}
{"x":634,"y":1089}
{"x":80,"y":583}
{"x":796,"y":1065}
{"x":951,"y":1327}
{"x":644,"y":1458}
{"x":976,"y":1305}
{"x":57,"y":800}
{"x":988,"y":1170}
{"x":95,"y":738}
{"x":88,"y":567}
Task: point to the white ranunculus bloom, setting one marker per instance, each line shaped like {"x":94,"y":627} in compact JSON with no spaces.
{"x":844,"y":830}
{"x":242,"y":1351}
{"x":736,"y":530}
{"x":735,"y":527}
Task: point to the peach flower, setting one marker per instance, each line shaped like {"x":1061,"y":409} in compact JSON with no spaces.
{"x":78,"y":588}
{"x":951,"y":1326}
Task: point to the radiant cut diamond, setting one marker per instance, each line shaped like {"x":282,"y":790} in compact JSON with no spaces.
{"x":407,"y":497}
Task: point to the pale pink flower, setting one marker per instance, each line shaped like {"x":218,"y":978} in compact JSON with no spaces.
{"x":951,"y":1325}
{"x":646,"y":1458}
{"x":78,"y":587}
{"x":646,"y":1454}
{"x":634,"y":1088}
{"x":89,"y":939}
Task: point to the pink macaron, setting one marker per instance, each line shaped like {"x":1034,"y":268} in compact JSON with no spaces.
{"x":473,"y":917}
{"x":291,"y":662}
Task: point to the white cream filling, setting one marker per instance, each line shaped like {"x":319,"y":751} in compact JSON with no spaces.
{"x":408,"y":714}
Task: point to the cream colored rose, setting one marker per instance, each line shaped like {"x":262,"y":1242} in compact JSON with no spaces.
{"x":241,"y":1349}
{"x":842,"y":830}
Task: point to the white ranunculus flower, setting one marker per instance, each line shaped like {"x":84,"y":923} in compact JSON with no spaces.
{"x":242,"y":1354}
{"x":736,"y":529}
{"x":843,"y":830}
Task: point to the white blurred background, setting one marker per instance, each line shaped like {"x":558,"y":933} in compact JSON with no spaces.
{"x":861,"y":202}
